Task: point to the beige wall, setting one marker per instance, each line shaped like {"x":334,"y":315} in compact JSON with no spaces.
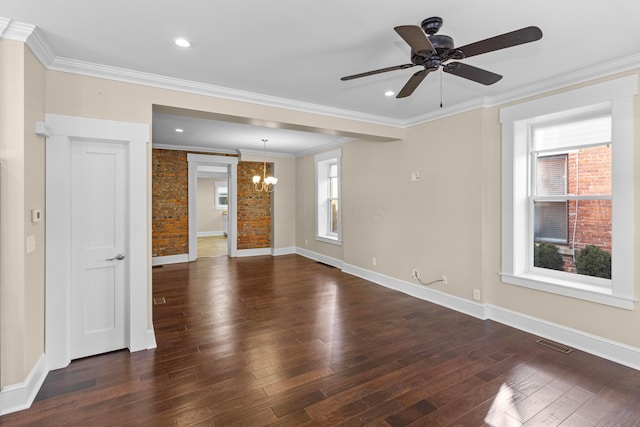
{"x":434,"y":224}
{"x":305,"y":227}
{"x":22,"y":92}
{"x":209,"y":218}
{"x":450,"y":221}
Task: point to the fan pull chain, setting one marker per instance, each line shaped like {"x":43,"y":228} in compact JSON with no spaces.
{"x":440,"y":87}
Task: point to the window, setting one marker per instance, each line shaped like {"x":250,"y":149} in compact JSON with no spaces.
{"x":567,"y":219}
{"x":328,"y":222}
{"x":222,"y":196}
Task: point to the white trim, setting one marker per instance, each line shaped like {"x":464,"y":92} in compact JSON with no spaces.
{"x":593,"y":344}
{"x":422,"y":292}
{"x":334,"y":262}
{"x":241,"y":253}
{"x":151,"y":340}
{"x":58,"y":230}
{"x":169,"y":259}
{"x":17,"y":397}
{"x":210,"y":233}
{"x":211,"y":150}
{"x":283,"y":251}
{"x":195,"y":160}
{"x":617,"y":96}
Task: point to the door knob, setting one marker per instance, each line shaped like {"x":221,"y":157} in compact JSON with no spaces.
{"x":119,"y":257}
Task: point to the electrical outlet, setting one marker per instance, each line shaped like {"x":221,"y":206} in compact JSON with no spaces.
{"x":476,"y":294}
{"x":444,"y":279}
{"x":306,"y":243}
{"x":374,"y":261}
{"x":415,"y":273}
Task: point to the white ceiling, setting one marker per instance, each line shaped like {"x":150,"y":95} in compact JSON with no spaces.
{"x":293,"y":52}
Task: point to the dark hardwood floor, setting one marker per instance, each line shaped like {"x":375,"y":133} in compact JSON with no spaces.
{"x":287,"y":341}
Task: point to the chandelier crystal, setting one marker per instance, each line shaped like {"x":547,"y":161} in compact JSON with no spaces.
{"x":268,"y":183}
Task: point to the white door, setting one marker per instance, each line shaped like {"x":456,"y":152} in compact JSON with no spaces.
{"x":98,"y":247}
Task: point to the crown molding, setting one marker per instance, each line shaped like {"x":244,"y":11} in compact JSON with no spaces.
{"x":607,"y":69}
{"x":33,"y":37}
{"x":194,"y":149}
{"x":164,"y":82}
{"x":18,"y":31}
{"x":264,"y":153}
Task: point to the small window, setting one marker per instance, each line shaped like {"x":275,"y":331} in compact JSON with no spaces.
{"x":222,"y":196}
{"x":328,"y":202}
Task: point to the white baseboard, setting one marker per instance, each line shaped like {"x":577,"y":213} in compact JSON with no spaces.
{"x":211,"y":233}
{"x":151,"y":339}
{"x":593,"y":344}
{"x":253,"y":252}
{"x":598,"y":346}
{"x":20,"y":396}
{"x":170,"y":259}
{"x":416,"y":290}
{"x":334,"y":262}
{"x":283,"y":251}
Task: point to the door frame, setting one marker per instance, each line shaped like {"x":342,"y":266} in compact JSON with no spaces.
{"x":194,"y":161}
{"x":135,"y":136}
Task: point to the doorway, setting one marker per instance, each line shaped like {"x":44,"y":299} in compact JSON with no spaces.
{"x":213,"y":210}
{"x":217,"y":167}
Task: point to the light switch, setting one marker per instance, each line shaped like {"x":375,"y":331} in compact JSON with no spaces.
{"x":31,"y":244}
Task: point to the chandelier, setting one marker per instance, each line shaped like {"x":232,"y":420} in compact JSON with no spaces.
{"x":268,"y":183}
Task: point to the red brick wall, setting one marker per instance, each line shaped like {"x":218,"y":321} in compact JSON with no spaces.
{"x":254,"y":208}
{"x":593,"y":226}
{"x":170,"y":205}
{"x":594,"y":216}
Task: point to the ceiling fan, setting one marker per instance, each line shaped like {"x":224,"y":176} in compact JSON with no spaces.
{"x":432,"y":50}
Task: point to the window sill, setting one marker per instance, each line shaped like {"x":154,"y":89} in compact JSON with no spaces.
{"x":570,"y":289}
{"x":332,"y":240}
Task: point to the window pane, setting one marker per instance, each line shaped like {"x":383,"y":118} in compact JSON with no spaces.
{"x":589,"y":171}
{"x":583,"y":132}
{"x":588,"y":247}
{"x":333,"y":187}
{"x":334,"y":216}
{"x":550,"y":222}
{"x":551,"y":175}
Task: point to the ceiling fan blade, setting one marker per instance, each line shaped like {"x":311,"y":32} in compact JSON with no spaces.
{"x":472,"y":73}
{"x":381,"y":70}
{"x":514,"y":38}
{"x":416,"y":38}
{"x":412,"y":84}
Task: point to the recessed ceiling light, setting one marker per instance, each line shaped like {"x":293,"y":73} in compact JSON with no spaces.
{"x":182,"y":42}
{"x":179,"y":130}
{"x":389,"y":93}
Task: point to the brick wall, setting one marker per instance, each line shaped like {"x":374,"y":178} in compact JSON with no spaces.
{"x":170,"y":205}
{"x":593,"y":216}
{"x":254,"y":208}
{"x":590,"y":223}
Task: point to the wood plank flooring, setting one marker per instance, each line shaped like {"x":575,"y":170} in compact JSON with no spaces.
{"x":290,"y":342}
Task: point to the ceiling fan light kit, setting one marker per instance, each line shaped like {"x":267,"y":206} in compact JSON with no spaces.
{"x":431,"y":51}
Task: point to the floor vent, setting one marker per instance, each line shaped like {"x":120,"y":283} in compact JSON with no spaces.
{"x":555,"y":346}
{"x":158,"y":301}
{"x":157,"y":266}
